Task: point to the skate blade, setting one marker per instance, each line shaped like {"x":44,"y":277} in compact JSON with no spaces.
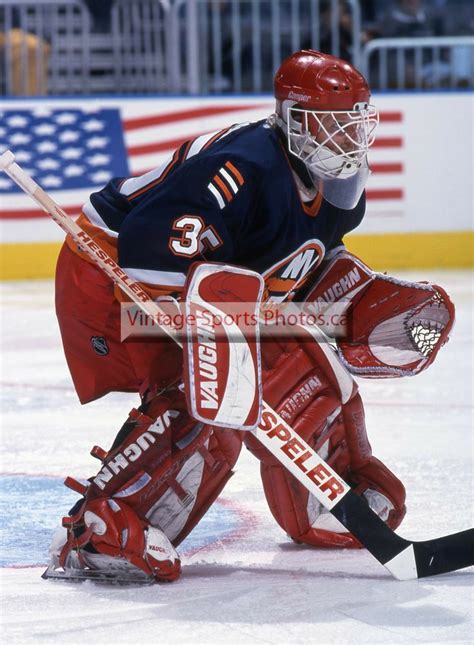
{"x":118,"y":578}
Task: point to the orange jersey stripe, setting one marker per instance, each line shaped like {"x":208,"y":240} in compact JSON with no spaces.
{"x":215,"y":137}
{"x":109,"y":245}
{"x":230,"y":166}
{"x":223,"y":187}
{"x":105,"y":241}
{"x":312,"y":209}
{"x":186,"y":150}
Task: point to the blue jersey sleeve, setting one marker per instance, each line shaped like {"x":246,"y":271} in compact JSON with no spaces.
{"x":198,"y":213}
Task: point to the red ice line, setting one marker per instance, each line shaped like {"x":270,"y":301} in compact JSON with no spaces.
{"x":247,"y":523}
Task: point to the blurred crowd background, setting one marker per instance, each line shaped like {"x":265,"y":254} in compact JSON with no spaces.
{"x":74,"y":47}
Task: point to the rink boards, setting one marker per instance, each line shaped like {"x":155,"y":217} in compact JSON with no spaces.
{"x":419,"y":196}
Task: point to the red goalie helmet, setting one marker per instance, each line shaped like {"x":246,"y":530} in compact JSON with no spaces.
{"x":320,"y":82}
{"x":322,"y":106}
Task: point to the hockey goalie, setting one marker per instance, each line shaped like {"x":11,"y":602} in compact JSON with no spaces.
{"x":254,"y":214}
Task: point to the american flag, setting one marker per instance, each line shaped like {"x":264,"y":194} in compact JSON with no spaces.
{"x":69,"y":149}
{"x":72,"y":151}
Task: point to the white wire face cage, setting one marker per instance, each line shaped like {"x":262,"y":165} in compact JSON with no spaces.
{"x":332,"y":144}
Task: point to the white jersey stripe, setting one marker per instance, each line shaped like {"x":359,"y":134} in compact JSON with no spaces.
{"x":133,"y":184}
{"x":217,"y":195}
{"x":161,"y":278}
{"x":229,"y":180}
{"x":199,"y":143}
{"x":96,"y":219}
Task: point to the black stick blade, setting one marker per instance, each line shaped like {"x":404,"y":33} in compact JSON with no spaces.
{"x":445,"y":554}
{"x":406,"y":560}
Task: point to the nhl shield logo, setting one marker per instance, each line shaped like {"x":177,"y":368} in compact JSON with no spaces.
{"x":99,"y":345}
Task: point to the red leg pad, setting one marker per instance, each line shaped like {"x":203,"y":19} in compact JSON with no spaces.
{"x":320,"y":401}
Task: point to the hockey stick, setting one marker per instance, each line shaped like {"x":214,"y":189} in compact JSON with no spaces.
{"x":405,"y":559}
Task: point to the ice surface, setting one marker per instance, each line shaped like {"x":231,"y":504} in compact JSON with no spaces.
{"x":243,"y":580}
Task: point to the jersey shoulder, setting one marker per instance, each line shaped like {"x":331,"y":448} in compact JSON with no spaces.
{"x":253,"y":143}
{"x":222,"y":171}
{"x":217,"y":167}
{"x":253,"y":146}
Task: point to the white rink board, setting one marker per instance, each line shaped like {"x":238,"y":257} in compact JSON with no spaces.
{"x":435,"y":154}
{"x":437,"y":157}
{"x":257,"y":587}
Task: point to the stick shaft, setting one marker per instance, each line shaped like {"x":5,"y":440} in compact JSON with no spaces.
{"x":131,"y":288}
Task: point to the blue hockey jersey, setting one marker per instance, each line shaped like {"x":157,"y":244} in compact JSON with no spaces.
{"x":229,"y":196}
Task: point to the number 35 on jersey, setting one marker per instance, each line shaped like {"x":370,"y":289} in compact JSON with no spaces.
{"x":194,"y":236}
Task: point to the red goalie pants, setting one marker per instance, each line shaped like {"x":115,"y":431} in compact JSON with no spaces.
{"x":89,"y":320}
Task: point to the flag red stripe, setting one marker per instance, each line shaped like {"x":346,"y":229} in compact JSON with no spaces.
{"x":385,"y":193}
{"x":388,"y":142}
{"x":184,"y":115}
{"x":34,"y":213}
{"x":386,"y":167}
{"x":196,"y":113}
{"x":391,"y":117}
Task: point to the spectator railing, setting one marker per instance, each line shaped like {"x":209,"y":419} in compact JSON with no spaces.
{"x":167,"y":46}
{"x":237,"y":45}
{"x":143,"y":42}
{"x":427,"y":62}
{"x":57,"y":39}
{"x":204,"y":47}
{"x":25,"y":36}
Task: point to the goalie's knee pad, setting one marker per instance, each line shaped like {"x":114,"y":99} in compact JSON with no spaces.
{"x":321,"y":402}
{"x":184,"y":490}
